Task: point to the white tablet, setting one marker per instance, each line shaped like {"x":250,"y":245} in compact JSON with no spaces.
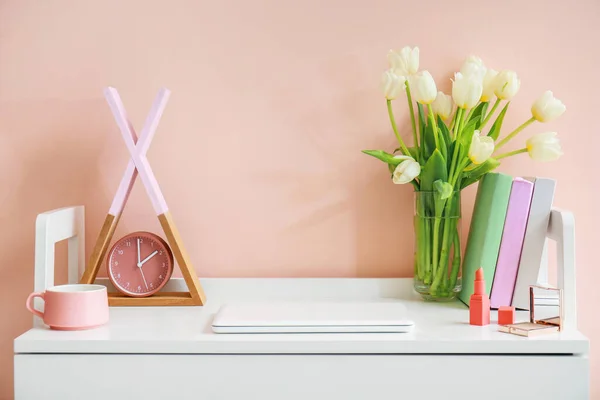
{"x":312,"y":317}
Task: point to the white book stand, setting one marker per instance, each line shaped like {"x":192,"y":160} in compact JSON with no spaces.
{"x":68,"y":223}
{"x":561,"y":229}
{"x":50,"y":228}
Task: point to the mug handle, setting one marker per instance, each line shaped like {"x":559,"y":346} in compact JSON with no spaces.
{"x":29,"y":303}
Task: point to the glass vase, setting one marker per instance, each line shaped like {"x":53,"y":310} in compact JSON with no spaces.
{"x":438,"y":258}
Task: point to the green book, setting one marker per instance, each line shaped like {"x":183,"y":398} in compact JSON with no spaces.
{"x":485,"y":233}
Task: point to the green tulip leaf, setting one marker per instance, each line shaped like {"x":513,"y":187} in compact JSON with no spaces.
{"x":443,"y":146}
{"x":413,"y":151}
{"x":478,"y":114}
{"x":444,"y":129}
{"x":428,"y":142}
{"x":434,"y":169}
{"x":383,"y":156}
{"x":422,"y":118}
{"x":468,"y":182}
{"x":495,"y":130}
{"x":443,"y":188}
{"x":464,"y":142}
{"x":475,"y":174}
{"x":445,"y":139}
{"x":451,"y":153}
{"x":466,"y":136}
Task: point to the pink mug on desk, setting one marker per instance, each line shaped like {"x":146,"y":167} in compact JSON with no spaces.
{"x":72,"y":307}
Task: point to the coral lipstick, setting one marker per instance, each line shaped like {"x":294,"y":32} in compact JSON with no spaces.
{"x":479,"y":304}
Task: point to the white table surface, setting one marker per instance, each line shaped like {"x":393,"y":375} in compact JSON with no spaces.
{"x":440,"y":328}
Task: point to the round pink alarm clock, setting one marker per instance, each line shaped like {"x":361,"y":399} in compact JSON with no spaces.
{"x":140,"y":264}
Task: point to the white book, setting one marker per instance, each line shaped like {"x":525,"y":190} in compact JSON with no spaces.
{"x":535,"y":237}
{"x":313,"y":317}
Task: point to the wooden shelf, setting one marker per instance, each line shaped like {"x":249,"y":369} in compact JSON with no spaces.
{"x":159,"y":299}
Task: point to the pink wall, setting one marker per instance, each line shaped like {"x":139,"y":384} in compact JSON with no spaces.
{"x":258,"y":152}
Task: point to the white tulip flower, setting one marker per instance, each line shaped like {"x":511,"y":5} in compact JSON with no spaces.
{"x":466,"y":90}
{"x":506,"y":85}
{"x":472,"y":59}
{"x":481,"y":148}
{"x":406,"y":171}
{"x":544,"y":147}
{"x":423,"y":87}
{"x":489,"y":84}
{"x":404,"y":62}
{"x":392,"y":85}
{"x":473,"y":66}
{"x":547,"y":107}
{"x":442,"y":105}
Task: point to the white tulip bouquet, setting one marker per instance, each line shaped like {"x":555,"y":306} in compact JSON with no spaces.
{"x":453,"y":147}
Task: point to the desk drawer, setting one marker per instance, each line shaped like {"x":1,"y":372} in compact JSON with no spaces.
{"x":299,"y":377}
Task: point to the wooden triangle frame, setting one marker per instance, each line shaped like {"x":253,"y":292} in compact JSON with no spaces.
{"x":138,"y":164}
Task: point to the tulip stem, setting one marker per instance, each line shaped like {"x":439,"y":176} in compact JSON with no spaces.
{"x":489,"y":115}
{"x":469,"y":114}
{"x":459,"y":114}
{"x":435,"y":128}
{"x":456,"y":259}
{"x":395,"y":128}
{"x":515,"y":132}
{"x":442,"y":268}
{"x":452,"y":122}
{"x":511,"y":153}
{"x":412,"y":115}
{"x":436,"y":246}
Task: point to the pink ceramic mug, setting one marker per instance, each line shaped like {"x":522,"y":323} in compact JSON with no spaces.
{"x":72,"y":307}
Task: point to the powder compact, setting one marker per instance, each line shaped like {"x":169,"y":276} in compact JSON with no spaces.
{"x":542,"y":326}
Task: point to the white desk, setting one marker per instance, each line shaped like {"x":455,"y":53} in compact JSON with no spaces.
{"x":161,"y":353}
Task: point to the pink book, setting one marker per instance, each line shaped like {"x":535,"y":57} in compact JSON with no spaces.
{"x":509,"y":255}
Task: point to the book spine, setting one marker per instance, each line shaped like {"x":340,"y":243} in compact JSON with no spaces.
{"x":535,"y":238}
{"x":485,"y":232}
{"x":512,"y":243}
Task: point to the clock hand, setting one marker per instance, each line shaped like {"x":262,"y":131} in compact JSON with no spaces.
{"x":139,"y":263}
{"x":147,"y":258}
{"x":143,"y":277}
{"x":138,"y":251}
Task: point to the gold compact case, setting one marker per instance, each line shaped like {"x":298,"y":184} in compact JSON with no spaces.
{"x":542,"y":326}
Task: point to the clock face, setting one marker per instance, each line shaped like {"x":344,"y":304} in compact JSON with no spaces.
{"x":140,"y":264}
